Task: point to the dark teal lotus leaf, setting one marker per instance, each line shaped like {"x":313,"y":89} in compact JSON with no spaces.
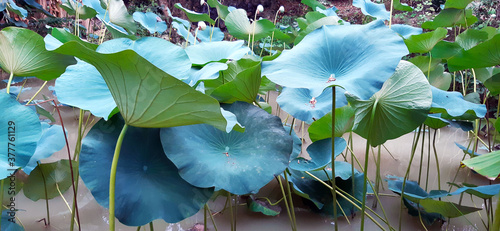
{"x":3,"y":5}
{"x":240,"y":163}
{"x":82,"y":86}
{"x":320,"y":154}
{"x":406,"y":30}
{"x":210,"y":34}
{"x":340,"y":52}
{"x":165,"y":55}
{"x":466,"y":150}
{"x":7,"y":224}
{"x":369,"y":8}
{"x":262,"y":206}
{"x":150,"y":22}
{"x":453,"y":106}
{"x":52,"y":141}
{"x":435,"y":121}
{"x":216,"y":51}
{"x":21,"y":132}
{"x":299,"y":103}
{"x":148,"y":185}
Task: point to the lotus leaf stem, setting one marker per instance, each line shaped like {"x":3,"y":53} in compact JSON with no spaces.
{"x":112,"y":178}
{"x":365,"y":176}
{"x":10,"y":82}
{"x":39,"y":90}
{"x":286,"y":201}
{"x":332,"y":180}
{"x":45,"y":190}
{"x":292,"y":208}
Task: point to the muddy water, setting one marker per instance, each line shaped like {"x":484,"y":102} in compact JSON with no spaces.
{"x":94,"y":217}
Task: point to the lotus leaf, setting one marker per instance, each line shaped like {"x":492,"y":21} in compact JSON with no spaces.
{"x":195,"y":16}
{"x":203,"y":53}
{"x":52,"y":140}
{"x":210,"y":34}
{"x":45,"y":180}
{"x":115,"y":16}
{"x":21,"y":12}
{"x":336,"y":55}
{"x":406,"y":30}
{"x":485,"y":54}
{"x":402,"y":103}
{"x":142,"y":165}
{"x":322,"y":128}
{"x":7,"y":224}
{"x":369,"y":8}
{"x":313,"y":4}
{"x":486,"y":164}
{"x":239,"y":26}
{"x":240,"y":163}
{"x":453,"y":106}
{"x":149,"y":20}
{"x":320,"y":154}
{"x":451,"y":17}
{"x":22,"y":131}
{"x":73,"y":7}
{"x":424,"y":43}
{"x":299,"y":103}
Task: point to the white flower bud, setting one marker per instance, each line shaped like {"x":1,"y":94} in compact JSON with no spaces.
{"x":260,"y":9}
{"x":202,"y":2}
{"x":493,"y":16}
{"x":202,"y":25}
{"x":282,"y":9}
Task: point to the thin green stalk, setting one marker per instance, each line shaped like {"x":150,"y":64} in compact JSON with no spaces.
{"x":390,"y":14}
{"x":195,"y":35}
{"x":76,"y":154}
{"x":437,"y":161}
{"x":211,"y":217}
{"x":205,"y":218}
{"x":428,"y":156}
{"x":367,"y":156}
{"x":421,"y":156}
{"x":414,"y":148}
{"x":286,"y":201}
{"x":272,"y":35}
{"x":235,"y":211}
{"x":138,"y":228}
{"x":46,"y":194}
{"x":10,"y":82}
{"x":378,"y":178}
{"x":22,"y":87}
{"x":332,"y":180}
{"x":292,"y":208}
{"x":253,"y":31}
{"x":112,"y":178}
{"x":229,"y":197}
{"x":151,"y":227}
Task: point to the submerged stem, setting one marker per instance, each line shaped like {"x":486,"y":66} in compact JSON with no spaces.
{"x":112,"y":178}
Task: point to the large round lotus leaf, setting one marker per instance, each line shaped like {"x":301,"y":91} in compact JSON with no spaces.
{"x":209,"y":71}
{"x":222,"y":10}
{"x":486,"y":165}
{"x":424,"y":43}
{"x":398,"y":108}
{"x":320,"y":154}
{"x":457,"y":4}
{"x":82,"y":86}
{"x":322,"y":128}
{"x":485,"y":54}
{"x":7,"y":224}
{"x":450,"y":18}
{"x":52,"y":141}
{"x":373,"y":9}
{"x":406,"y":30}
{"x":240,"y":163}
{"x":73,"y":7}
{"x":435,"y":121}
{"x":445,"y":50}
{"x":44,"y":180}
{"x":239,"y":26}
{"x":453,"y":106}
{"x":165,"y":55}
{"x":148,"y":185}
{"x":337,"y":55}
{"x":115,"y":16}
{"x":210,"y":34}
{"x":22,"y":52}
{"x":470,"y":38}
{"x":195,"y":16}
{"x":149,"y":21}
{"x":299,"y":103}
{"x":21,"y":132}
{"x":216,"y":51}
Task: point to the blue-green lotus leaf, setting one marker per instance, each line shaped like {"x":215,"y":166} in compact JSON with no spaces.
{"x":178,"y":20}
{"x":21,"y":12}
{"x":453,"y":106}
{"x":170,"y":58}
{"x":182,"y":31}
{"x":16,"y":90}
{"x":21,"y":132}
{"x":320,"y":153}
{"x":240,"y":163}
{"x":466,"y":150}
{"x":52,"y":141}
{"x":3,"y":5}
{"x":435,"y":121}
{"x":209,"y":71}
{"x":115,"y":16}
{"x":373,"y":9}
{"x":214,"y":32}
{"x":7,"y":224}
{"x":337,"y":55}
{"x":148,"y":186}
{"x":299,"y":103}
{"x":332,"y":11}
{"x":406,"y":30}
{"x":216,"y":51}
{"x":82,"y":86}
{"x":150,"y":22}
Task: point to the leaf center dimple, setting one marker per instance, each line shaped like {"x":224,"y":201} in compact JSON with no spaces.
{"x":331,"y":78}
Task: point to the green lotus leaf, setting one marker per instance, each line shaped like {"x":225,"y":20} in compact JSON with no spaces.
{"x":240,"y":163}
{"x":401,"y":6}
{"x":422,"y":62}
{"x":470,"y":38}
{"x":491,"y":31}
{"x":73,"y":7}
{"x":239,"y":26}
{"x":323,"y":21}
{"x":451,"y":17}
{"x":262,"y":206}
{"x":61,"y":36}
{"x":164,"y":100}
{"x":322,"y":128}
{"x":435,"y":121}
{"x":148,"y":185}
{"x":244,"y":85}
{"x":21,"y":12}
{"x":493,"y":84}
{"x":195,"y":16}
{"x":50,"y":177}
{"x":398,"y":108}
{"x":424,"y":43}
{"x":313,"y":4}
{"x":457,"y":4}
{"x":222,"y":10}
{"x":439,"y":78}
{"x":117,"y":19}
{"x":445,"y":50}
{"x":486,"y":164}
{"x":485,"y":54}
{"x":22,"y":53}
{"x":22,"y":131}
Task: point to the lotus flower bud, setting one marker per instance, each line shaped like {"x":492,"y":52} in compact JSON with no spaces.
{"x":202,"y":2}
{"x":282,"y":9}
{"x":260,"y":9}
{"x":202,"y":25}
{"x":493,"y":16}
